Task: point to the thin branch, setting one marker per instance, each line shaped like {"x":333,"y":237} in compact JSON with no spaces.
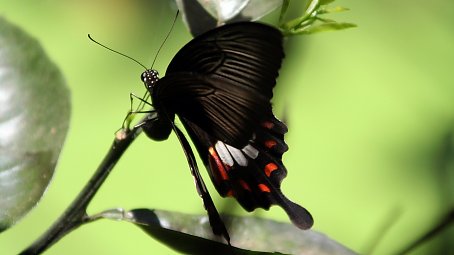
{"x":444,"y":223}
{"x":75,"y":215}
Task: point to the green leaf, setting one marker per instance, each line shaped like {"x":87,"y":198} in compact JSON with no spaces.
{"x":336,"y":9}
{"x":330,"y":26}
{"x":34,"y":118}
{"x":325,"y":2}
{"x":309,"y":23}
{"x":192,"y":234}
{"x":284,"y":9}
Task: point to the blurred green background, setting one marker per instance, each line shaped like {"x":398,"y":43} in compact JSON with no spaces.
{"x":370,"y":113}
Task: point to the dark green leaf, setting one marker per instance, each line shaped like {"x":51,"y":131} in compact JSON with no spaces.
{"x":325,"y":2}
{"x":192,"y":234}
{"x":34,"y":118}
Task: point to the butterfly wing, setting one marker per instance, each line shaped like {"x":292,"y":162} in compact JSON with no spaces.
{"x":252,"y":174}
{"x":222,"y":81}
{"x":215,"y":220}
{"x":220,"y":85}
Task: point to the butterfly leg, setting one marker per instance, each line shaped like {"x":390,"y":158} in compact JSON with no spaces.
{"x":143,"y":101}
{"x":215,"y":220}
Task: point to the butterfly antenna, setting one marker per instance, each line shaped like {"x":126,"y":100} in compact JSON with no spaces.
{"x":124,"y":55}
{"x":165,"y":39}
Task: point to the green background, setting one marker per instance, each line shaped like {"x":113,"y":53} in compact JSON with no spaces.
{"x":369,"y":110}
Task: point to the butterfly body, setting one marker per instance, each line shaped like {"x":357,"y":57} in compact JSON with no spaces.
{"x":220,"y":86}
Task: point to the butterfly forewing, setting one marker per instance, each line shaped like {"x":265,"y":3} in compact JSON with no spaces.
{"x":222,"y":80}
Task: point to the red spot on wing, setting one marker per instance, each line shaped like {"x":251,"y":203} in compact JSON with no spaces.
{"x":229,"y":193}
{"x":219,"y":165}
{"x":268,"y":124}
{"x":270,"y":144}
{"x":264,"y":188}
{"x":244,"y":185}
{"x":269,"y":168}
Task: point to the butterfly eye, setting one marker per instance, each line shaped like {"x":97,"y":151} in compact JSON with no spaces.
{"x":149,"y":78}
{"x":143,"y":77}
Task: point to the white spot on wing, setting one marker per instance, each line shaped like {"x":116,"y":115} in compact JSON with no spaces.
{"x":237,"y":155}
{"x":223,"y":153}
{"x":250,"y":151}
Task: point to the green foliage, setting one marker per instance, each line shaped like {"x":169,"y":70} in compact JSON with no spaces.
{"x":312,"y":22}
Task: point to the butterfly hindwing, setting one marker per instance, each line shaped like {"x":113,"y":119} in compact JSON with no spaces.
{"x":215,"y":220}
{"x":252,"y":174}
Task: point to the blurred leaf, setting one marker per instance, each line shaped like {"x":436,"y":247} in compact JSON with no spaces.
{"x":444,"y":163}
{"x":192,"y":234}
{"x":203,"y":15}
{"x":34,"y":118}
{"x":442,"y":225}
{"x":325,"y":2}
{"x":333,"y":10}
{"x":223,"y":10}
{"x":284,"y":9}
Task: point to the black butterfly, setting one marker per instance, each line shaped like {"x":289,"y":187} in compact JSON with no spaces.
{"x":220,"y":86}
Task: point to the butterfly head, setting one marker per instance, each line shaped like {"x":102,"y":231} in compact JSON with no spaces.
{"x":149,"y":78}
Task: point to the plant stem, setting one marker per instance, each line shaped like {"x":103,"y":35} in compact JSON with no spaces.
{"x":75,"y":215}
{"x":444,"y":223}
